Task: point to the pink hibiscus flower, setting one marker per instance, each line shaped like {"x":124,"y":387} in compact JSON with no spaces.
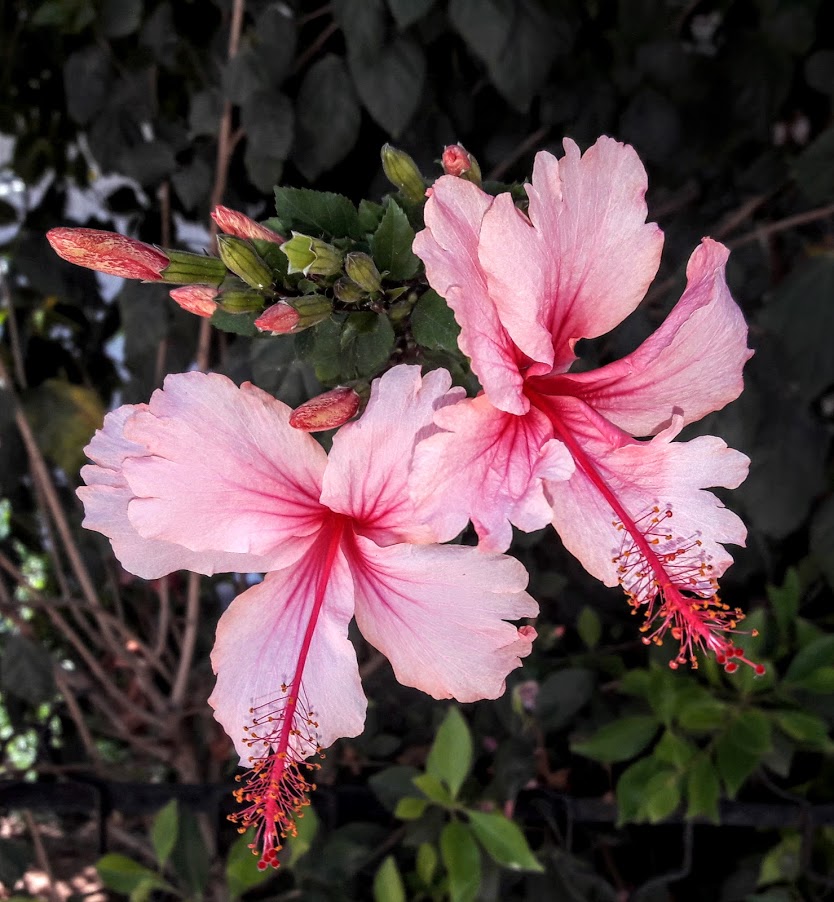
{"x":212,"y":477}
{"x":542,"y":444}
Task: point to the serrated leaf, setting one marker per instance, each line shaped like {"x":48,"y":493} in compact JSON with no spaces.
{"x":450,"y":757}
{"x":390,"y":82}
{"x":433,"y":324}
{"x":26,"y":670}
{"x":503,"y":841}
{"x":388,"y":882}
{"x":325,"y":213}
{"x":462,"y":861}
{"x":328,"y":117}
{"x":630,"y":789}
{"x":370,"y":215}
{"x":816,"y":654}
{"x":740,"y":749}
{"x":164,"y":828}
{"x":703,"y":789}
{"x":366,"y":343}
{"x":620,"y":740}
{"x":391,"y":244}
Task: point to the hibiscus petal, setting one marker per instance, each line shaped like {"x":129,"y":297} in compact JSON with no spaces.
{"x":641,"y":476}
{"x":448,"y":247}
{"x":693,"y":362}
{"x":487,"y":467}
{"x":439,"y":614}
{"x":224,"y":470}
{"x":586,"y":259}
{"x":369,"y":465}
{"x":259,"y":646}
{"x":107,"y":495}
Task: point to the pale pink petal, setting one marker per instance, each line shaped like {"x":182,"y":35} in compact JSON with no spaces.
{"x":585,"y":261}
{"x":106,"y":497}
{"x":692,"y":363}
{"x":487,"y":467}
{"x":439,"y":612}
{"x":448,"y":247}
{"x":642,"y":476}
{"x":369,"y":465}
{"x":224,"y":470}
{"x":260,"y":648}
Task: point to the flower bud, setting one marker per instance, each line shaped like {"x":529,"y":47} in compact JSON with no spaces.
{"x":241,"y":301}
{"x":326,"y":411}
{"x":348,"y":292}
{"x":185,"y":268}
{"x":109,"y":252}
{"x":403,"y":173}
{"x":362,"y":270}
{"x":279,"y":319}
{"x":459,"y":162}
{"x":311,"y":256}
{"x":196,"y":299}
{"x":241,"y":226}
{"x":244,"y":261}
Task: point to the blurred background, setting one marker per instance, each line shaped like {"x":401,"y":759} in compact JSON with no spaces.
{"x":629,"y":781}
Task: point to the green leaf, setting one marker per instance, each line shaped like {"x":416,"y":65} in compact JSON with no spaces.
{"x":702,"y":715}
{"x":190,"y":858}
{"x":589,"y":627}
{"x":503,"y":841}
{"x":390,"y":82}
{"x":328,"y":117}
{"x":462,"y":860}
{"x":662,"y":795}
{"x":426,"y":863}
{"x":433,"y":324}
{"x":703,"y":789}
{"x":242,"y":872}
{"x":784,"y":602}
{"x":433,"y":789}
{"x":783,"y":862}
{"x":393,"y":783}
{"x":327,"y":214}
{"x":631,"y":789}
{"x":366,"y":342}
{"x":562,"y":695}
{"x":236,"y":323}
{"x":819,"y":71}
{"x":123,"y":874}
{"x":391,"y":244}
{"x":118,"y":18}
{"x":450,"y":757}
{"x":370,"y":215}
{"x":802,"y":727}
{"x":164,"y":828}
{"x":816,"y":654}
{"x":813,"y":169}
{"x":321,"y":347}
{"x":407,"y":12}
{"x":298,"y":845}
{"x":410,"y":808}
{"x":618,"y":741}
{"x":26,"y":670}
{"x":675,"y":750}
{"x":388,"y":882}
{"x":15,"y":859}
{"x":742,"y":746}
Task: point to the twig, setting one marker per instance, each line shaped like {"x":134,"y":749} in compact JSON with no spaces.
{"x":14,"y":335}
{"x":189,"y":639}
{"x":40,"y":855}
{"x":518,"y":152}
{"x":76,"y":714}
{"x":782,"y":225}
{"x":314,"y":48}
{"x":164,"y":617}
{"x":311,"y":16}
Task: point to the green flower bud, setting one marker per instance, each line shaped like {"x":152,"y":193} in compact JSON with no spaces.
{"x":348,"y":292}
{"x":241,"y":301}
{"x":244,"y":261}
{"x":403,"y":173}
{"x":311,"y":256}
{"x":185,"y":268}
{"x":362,"y":270}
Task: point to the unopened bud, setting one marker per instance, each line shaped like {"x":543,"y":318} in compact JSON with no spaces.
{"x":244,"y":261}
{"x":459,"y":162}
{"x":362,"y":270}
{"x":348,"y":292}
{"x":327,"y":411}
{"x":241,"y":226}
{"x":403,"y":173}
{"x":109,"y":252}
{"x":196,"y":299}
{"x":186,"y":268}
{"x":280,"y":319}
{"x":311,"y":256}
{"x":241,"y":301}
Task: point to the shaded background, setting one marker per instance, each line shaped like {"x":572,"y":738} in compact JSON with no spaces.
{"x":110,"y":113}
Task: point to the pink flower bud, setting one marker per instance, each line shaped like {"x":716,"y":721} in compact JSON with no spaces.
{"x":241,"y":226}
{"x":280,"y":319}
{"x":197,"y":299}
{"x":326,"y":411}
{"x":457,"y":161}
{"x":109,"y":252}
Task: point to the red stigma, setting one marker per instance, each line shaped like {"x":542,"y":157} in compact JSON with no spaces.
{"x":276,"y":787}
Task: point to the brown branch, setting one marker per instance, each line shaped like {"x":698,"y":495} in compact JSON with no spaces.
{"x":40,"y":855}
{"x":76,"y":714}
{"x":14,"y":335}
{"x":518,"y":152}
{"x":314,"y":48}
{"x":782,"y":225}
{"x":189,"y":640}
